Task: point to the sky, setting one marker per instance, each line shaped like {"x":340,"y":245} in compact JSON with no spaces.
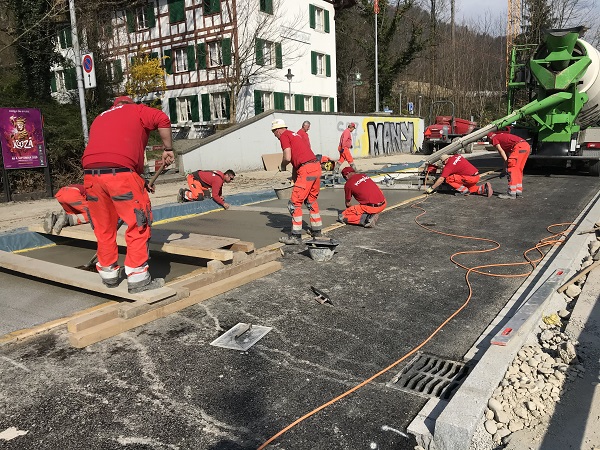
{"x":475,"y":9}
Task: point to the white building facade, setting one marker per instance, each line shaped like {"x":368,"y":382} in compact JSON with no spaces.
{"x":226,"y":60}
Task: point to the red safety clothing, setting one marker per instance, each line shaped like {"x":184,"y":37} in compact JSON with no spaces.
{"x":345,"y":146}
{"x":73,"y":201}
{"x":517,"y":151}
{"x":304,"y":135}
{"x":307,"y":183}
{"x":202,"y":182}
{"x":463,"y":176}
{"x":369,"y":196}
{"x":117,"y":139}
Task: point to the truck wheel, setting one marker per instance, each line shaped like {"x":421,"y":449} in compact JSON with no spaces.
{"x":595,"y":168}
{"x":427,"y":149}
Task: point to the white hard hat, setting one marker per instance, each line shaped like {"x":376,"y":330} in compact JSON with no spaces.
{"x":278,"y":123}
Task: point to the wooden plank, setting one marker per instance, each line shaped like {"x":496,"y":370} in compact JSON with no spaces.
{"x":94,"y":318}
{"x":184,"y":244}
{"x":272,"y":161}
{"x":76,"y":277}
{"x":119,"y":325}
{"x":242,"y":246}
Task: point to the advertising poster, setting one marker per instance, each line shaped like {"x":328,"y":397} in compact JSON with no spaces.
{"x":22,"y":138}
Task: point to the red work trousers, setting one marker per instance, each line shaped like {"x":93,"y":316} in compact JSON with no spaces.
{"x":345,"y":155}
{"x":465,"y":184}
{"x":515,"y":165}
{"x":306,"y":190}
{"x":357,"y":214}
{"x":74,"y":204}
{"x":113,"y":196}
{"x":198,"y":191}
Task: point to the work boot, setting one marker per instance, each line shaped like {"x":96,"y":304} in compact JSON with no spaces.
{"x":354,"y":167}
{"x":315,"y":233}
{"x":460,"y":194}
{"x":487,"y":190}
{"x":341,"y":218}
{"x":508,"y":196}
{"x":62,"y":220}
{"x":110,"y":276}
{"x":371,"y":220}
{"x":292,"y":239}
{"x":49,"y":222}
{"x":181,"y":196}
{"x":519,"y":194}
{"x":145,"y":285}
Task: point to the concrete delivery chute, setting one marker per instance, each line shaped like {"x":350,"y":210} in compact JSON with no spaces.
{"x":567,"y":99}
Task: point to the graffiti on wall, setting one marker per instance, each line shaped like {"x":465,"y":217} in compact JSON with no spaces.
{"x":390,"y":137}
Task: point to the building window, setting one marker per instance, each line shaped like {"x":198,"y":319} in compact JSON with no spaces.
{"x":211,"y":6}
{"x":141,"y":18}
{"x":318,"y":18}
{"x":219,"y":108}
{"x":269,"y":53}
{"x":180,"y":60}
{"x":266,"y":6}
{"x":65,"y":38}
{"x":324,"y":104}
{"x":307,"y":103}
{"x":184,"y":109}
{"x":215,"y":55}
{"x":266,"y":99}
{"x":60,"y":81}
{"x":114,"y":71}
{"x":320,"y":64}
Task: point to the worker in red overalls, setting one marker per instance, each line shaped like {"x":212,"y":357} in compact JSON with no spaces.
{"x":345,"y":146}
{"x":371,"y":200}
{"x":206,"y":183}
{"x":462,"y":176}
{"x":307,"y":182}
{"x":113,"y":162}
{"x":514,"y":150}
{"x":74,"y":209}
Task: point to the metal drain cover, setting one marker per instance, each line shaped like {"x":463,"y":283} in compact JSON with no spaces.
{"x":430,"y":376}
{"x":241,"y":336}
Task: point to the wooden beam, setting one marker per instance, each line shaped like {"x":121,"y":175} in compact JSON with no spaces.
{"x":77,"y":278}
{"x":119,"y":325}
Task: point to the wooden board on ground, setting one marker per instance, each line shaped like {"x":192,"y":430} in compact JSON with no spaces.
{"x":184,"y":244}
{"x":114,"y":326}
{"x":272,"y":161}
{"x":76,"y":278}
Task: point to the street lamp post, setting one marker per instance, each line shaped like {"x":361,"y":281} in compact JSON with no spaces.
{"x":420,"y":99}
{"x":356,"y":82}
{"x":289,"y":77}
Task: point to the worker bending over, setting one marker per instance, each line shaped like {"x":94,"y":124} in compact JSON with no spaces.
{"x":371,"y":200}
{"x":74,"y":209}
{"x":307,"y":181}
{"x":461,"y":175}
{"x":206,"y":183}
{"x":344,"y":148}
{"x":113,"y":162}
{"x":514,"y":150}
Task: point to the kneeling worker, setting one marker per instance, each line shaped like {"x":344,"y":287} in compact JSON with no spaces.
{"x":371,"y":200}
{"x":74,"y":212}
{"x":202,"y":183}
{"x":462,"y":176}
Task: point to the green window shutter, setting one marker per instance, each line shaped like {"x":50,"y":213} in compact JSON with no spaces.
{"x":201,"y":49}
{"x":130,"y":21}
{"x":331,"y":104}
{"x":313,"y":63}
{"x":176,"y":10}
{"x":279,"y":100}
{"x":260,"y":60}
{"x":62,"y":38}
{"x":316,"y":103}
{"x":191,"y":57}
{"x":226,"y":51}
{"x":299,"y":102}
{"x":205,"y":107}
{"x":150,"y":17}
{"x":326,"y":21}
{"x":195,"y":111}
{"x":258,"y":106}
{"x":69,"y":38}
{"x":328,"y":65}
{"x":154,"y":55}
{"x":269,"y":6}
{"x":173,"y":109}
{"x":278,"y":56}
{"x":70,"y":78}
{"x":168,"y":61}
{"x":118,"y":71}
{"x":132,"y":60}
{"x":211,"y":6}
{"x":227,"y":106}
{"x":311,"y":13}
{"x":53,"y":82}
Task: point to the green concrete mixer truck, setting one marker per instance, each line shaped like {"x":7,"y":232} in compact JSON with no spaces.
{"x":560,"y":119}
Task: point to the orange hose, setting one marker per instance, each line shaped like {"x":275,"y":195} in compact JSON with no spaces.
{"x":556,"y":239}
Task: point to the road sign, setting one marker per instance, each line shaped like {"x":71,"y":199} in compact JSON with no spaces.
{"x":89,"y":70}
{"x":411,"y":107}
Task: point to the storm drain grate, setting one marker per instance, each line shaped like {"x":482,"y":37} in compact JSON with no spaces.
{"x":430,"y":376}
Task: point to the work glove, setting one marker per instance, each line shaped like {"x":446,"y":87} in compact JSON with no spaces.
{"x":429,"y":191}
{"x":149,"y":188}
